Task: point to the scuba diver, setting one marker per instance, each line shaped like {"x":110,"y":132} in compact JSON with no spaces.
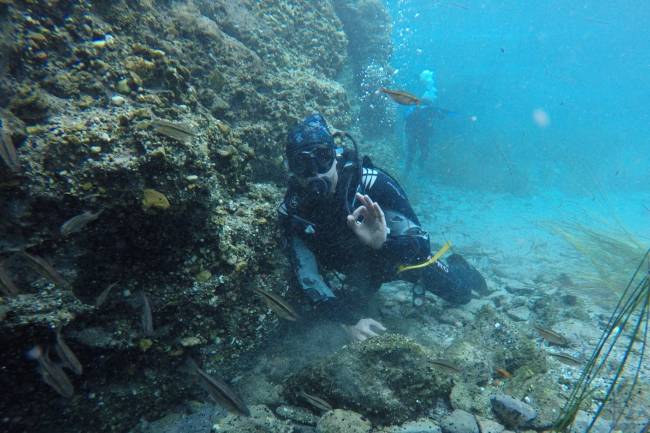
{"x":418,"y":129}
{"x":419,"y":121}
{"x":343,"y":214}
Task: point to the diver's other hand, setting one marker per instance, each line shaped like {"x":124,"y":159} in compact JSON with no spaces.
{"x":372,"y":229}
{"x":365,"y":328}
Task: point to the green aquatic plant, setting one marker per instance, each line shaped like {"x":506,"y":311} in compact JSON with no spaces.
{"x":610,"y":251}
{"x":627,"y":328}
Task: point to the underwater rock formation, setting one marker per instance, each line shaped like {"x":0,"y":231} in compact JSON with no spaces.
{"x":186,"y":220}
{"x":389,"y":379}
{"x":368,"y":28}
{"x":339,"y":420}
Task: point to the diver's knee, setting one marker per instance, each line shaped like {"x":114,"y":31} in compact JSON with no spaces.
{"x":469,"y":274}
{"x":453,"y":282}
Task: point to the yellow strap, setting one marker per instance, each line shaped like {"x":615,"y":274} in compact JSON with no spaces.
{"x":428,"y":262}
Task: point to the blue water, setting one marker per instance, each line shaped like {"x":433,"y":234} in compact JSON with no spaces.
{"x":585,"y":65}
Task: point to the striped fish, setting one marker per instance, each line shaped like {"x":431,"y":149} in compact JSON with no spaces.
{"x":7,"y":285}
{"x":220,"y":392}
{"x":552,"y":336}
{"x":316,"y":402}
{"x":566,"y":359}
{"x":69,"y":359}
{"x":52,"y":373}
{"x":278,"y":304}
{"x":177,"y":131}
{"x":42,"y":267}
{"x":78,"y":222}
{"x":7,"y":149}
{"x":147,"y":316}
{"x":401,"y":97}
{"x":104,"y":295}
{"x":447,"y":365}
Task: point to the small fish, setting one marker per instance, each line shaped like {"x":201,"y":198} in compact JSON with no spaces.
{"x":104,"y":295}
{"x":502,"y":372}
{"x":552,"y":336}
{"x":220,"y":392}
{"x":147,"y":317}
{"x":177,"y":131}
{"x":51,"y":372}
{"x":403,"y":98}
{"x":447,"y":365}
{"x":42,"y":267}
{"x":69,"y":359}
{"x":566,"y":359}
{"x":316,"y":402}
{"x":7,"y":149}
{"x":78,"y":222}
{"x":7,"y":286}
{"x":277,"y":304}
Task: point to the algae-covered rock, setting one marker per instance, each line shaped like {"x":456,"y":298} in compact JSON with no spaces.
{"x":494,"y":342}
{"x":340,"y":421}
{"x":459,"y":421}
{"x":489,"y":426}
{"x":367,"y":25}
{"x":543,"y":392}
{"x":261,"y":419}
{"x":197,"y":418}
{"x":422,"y":425}
{"x":296,"y":414}
{"x":472,"y":358}
{"x":81,"y":81}
{"x":512,"y":412}
{"x":470,"y":398}
{"x":152,"y":199}
{"x":389,"y":379}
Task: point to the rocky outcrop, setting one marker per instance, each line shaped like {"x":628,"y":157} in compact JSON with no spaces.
{"x":368,"y":27}
{"x":82,"y":86}
{"x":389,"y":379}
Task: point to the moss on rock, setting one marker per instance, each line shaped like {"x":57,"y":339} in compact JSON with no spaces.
{"x":389,"y":379}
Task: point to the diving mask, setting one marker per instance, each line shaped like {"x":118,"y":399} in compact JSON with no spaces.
{"x":309,"y":163}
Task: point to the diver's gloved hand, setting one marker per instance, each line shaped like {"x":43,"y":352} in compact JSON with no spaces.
{"x":368,"y":222}
{"x":364,"y":329}
{"x":454,"y":281}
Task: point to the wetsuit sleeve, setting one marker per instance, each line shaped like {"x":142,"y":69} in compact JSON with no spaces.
{"x":306,"y":269}
{"x":303,"y":260}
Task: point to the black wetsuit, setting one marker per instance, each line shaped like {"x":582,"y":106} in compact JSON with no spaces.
{"x":318,"y":236}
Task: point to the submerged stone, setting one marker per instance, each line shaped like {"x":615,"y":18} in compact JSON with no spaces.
{"x":489,"y":426}
{"x":296,"y":414}
{"x":459,"y":421}
{"x":260,"y":420}
{"x":340,"y":420}
{"x":512,"y":412}
{"x":420,"y":426}
{"x":389,"y":379}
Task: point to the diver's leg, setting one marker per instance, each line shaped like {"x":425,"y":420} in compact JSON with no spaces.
{"x":424,"y":146}
{"x":453,"y":281}
{"x":411,"y":148}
